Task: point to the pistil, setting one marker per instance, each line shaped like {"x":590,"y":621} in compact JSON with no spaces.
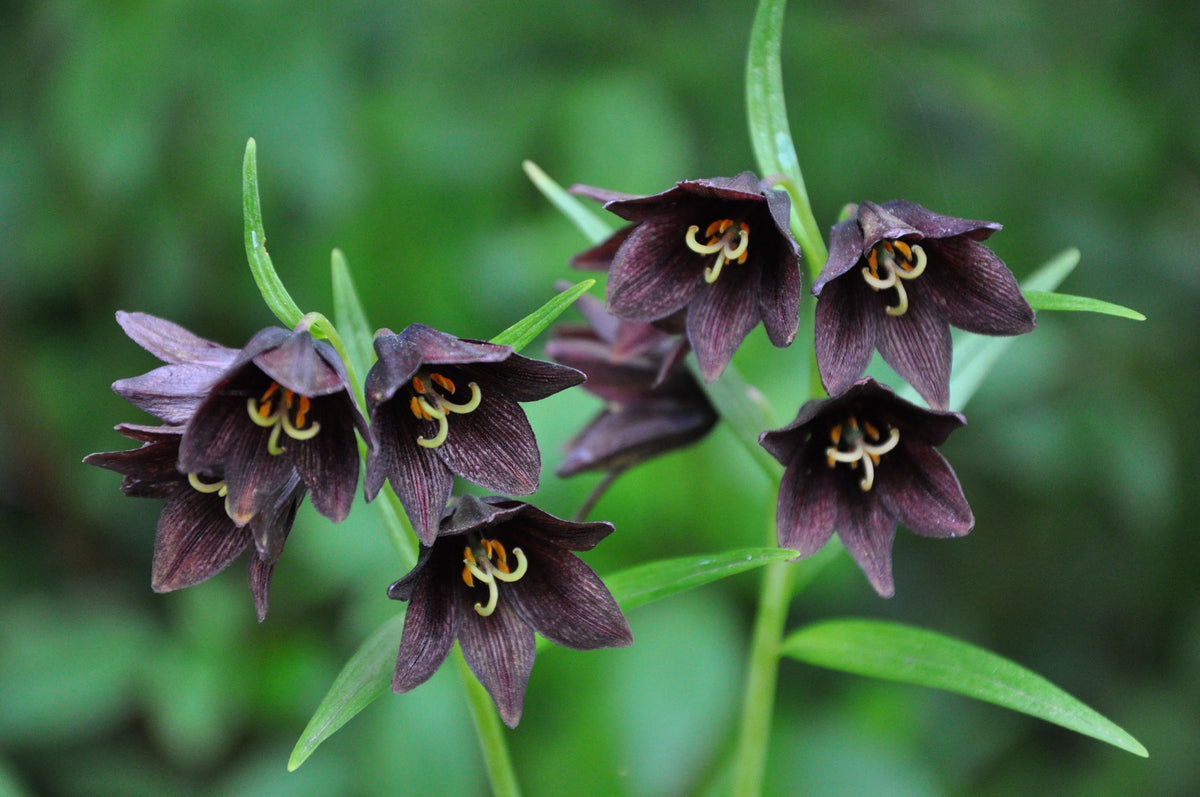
{"x":288,"y":414}
{"x":428,"y":404}
{"x":727,"y":240}
{"x":899,"y":261}
{"x":486,"y":562}
{"x":862,"y":445}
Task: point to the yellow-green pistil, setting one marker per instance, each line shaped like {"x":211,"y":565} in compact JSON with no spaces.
{"x":428,"y":404}
{"x":729,"y":241}
{"x":854,"y":444}
{"x":280,"y":409}
{"x":889,"y":264}
{"x":487,"y":561}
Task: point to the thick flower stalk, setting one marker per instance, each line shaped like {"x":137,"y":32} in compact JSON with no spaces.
{"x":858,"y":464}
{"x":442,"y":406}
{"x":497,"y":571}
{"x":897,"y":278}
{"x":652,"y":403}
{"x":716,"y":255}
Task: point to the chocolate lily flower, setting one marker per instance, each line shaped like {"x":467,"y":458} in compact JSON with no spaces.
{"x":196,"y":537}
{"x":653,"y":404}
{"x":898,"y":276}
{"x":720,"y":248}
{"x":860,"y":463}
{"x":283,"y":408}
{"x":441,"y":405}
{"x":497,"y":571}
{"x":171,"y":392}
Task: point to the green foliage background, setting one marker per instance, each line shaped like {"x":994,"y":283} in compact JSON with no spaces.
{"x":395,"y":131}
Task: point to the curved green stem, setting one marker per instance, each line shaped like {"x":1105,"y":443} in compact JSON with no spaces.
{"x":488,"y":728}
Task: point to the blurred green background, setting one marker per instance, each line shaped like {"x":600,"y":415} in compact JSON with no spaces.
{"x":395,"y":131}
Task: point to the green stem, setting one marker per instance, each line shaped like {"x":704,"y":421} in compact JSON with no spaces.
{"x":758,"y":701}
{"x":490,"y":732}
{"x":273,"y":292}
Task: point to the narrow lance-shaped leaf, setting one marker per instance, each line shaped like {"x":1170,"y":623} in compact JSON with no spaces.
{"x":588,"y":222}
{"x":366,"y":676}
{"x":520,"y":334}
{"x":1046,"y":300}
{"x":896,"y":652}
{"x":278,"y":300}
{"x":350,"y":317}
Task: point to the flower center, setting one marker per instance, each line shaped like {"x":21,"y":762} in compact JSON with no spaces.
{"x":428,"y":404}
{"x":486,"y":562}
{"x":853,"y":444}
{"x":284,"y":410}
{"x":898,"y":261}
{"x":727,"y":240}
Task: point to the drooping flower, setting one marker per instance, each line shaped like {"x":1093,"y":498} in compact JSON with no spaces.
{"x":497,"y":571}
{"x":282,"y":410}
{"x":440,"y":406}
{"x":860,"y":463}
{"x":196,"y":537}
{"x":653,"y":404}
{"x":720,"y":250}
{"x":898,"y":276}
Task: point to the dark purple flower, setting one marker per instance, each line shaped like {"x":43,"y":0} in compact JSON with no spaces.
{"x":497,"y":571}
{"x":196,"y":537}
{"x":653,"y":404}
{"x":442,"y":405}
{"x":898,"y":276}
{"x":282,"y":410}
{"x":860,"y":463}
{"x":720,"y":249}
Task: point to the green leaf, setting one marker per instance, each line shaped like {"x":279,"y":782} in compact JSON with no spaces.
{"x":642,"y":584}
{"x":350,"y":317}
{"x":895,"y":652}
{"x":365,"y":677}
{"x":745,"y":409}
{"x":594,"y":228}
{"x":520,"y":334}
{"x":269,"y":285}
{"x":1045,"y":300}
{"x":770,"y":135}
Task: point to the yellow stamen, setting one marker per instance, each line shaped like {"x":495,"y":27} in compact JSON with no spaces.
{"x":729,"y":242}
{"x":861,"y":451}
{"x":217,"y":487}
{"x":909,"y":266}
{"x":260,"y":413}
{"x":428,"y":404}
{"x":486,"y":570}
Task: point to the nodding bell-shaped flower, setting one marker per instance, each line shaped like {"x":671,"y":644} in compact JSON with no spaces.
{"x":441,"y":406}
{"x":860,"y":463}
{"x":719,"y":250}
{"x":897,"y":278}
{"x":497,"y":571}
{"x":283,"y":409}
{"x":652,"y":403}
{"x":196,"y":536}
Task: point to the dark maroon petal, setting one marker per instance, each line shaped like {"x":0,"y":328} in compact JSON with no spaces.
{"x":568,"y":534}
{"x":271,"y":524}
{"x":302,"y":365}
{"x":867,"y":530}
{"x":973,"y":290}
{"x":430,"y":628}
{"x":918,"y":346}
{"x":172,"y":343}
{"x":807,"y":507}
{"x":599,"y":194}
{"x":607,"y":377}
{"x":720,"y":317}
{"x":494,"y":447}
{"x":635,"y":433}
{"x":329,"y":461}
{"x":846,"y":327}
{"x":472,"y":513}
{"x":500,"y":649}
{"x":935,"y":225}
{"x":920,"y":489}
{"x":779,"y":300}
{"x":259,"y":574}
{"x":521,"y":378}
{"x":418,"y":476}
{"x":195,"y":540}
{"x":877,"y":223}
{"x":565,"y":601}
{"x":654,"y":273}
{"x":845,"y":252}
{"x":688,"y":195}
{"x":170,"y":393}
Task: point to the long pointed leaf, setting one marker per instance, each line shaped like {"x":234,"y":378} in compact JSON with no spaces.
{"x":642,"y":584}
{"x":520,"y":334}
{"x":269,"y":285}
{"x":583,"y":217}
{"x":895,"y":652}
{"x":1046,"y":300}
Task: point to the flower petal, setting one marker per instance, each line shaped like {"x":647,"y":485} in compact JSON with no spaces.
{"x":806,"y":510}
{"x":917,"y":344}
{"x":565,"y":601}
{"x":195,"y":540}
{"x":846,"y":328}
{"x":923,"y":493}
{"x":867,"y":530}
{"x":494,"y":447}
{"x":973,"y":289}
{"x":521,"y":378}
{"x":720,"y":317}
{"x":418,"y":476}
{"x":500,"y":650}
{"x":654,"y":273}
{"x":637,"y":432}
{"x":430,"y":628}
